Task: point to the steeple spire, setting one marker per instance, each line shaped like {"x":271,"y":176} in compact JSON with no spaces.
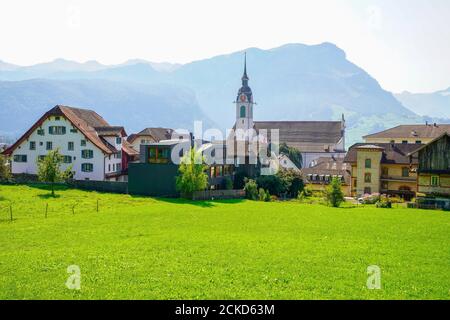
{"x":244,"y":76}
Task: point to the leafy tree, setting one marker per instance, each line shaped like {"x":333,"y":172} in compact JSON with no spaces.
{"x":334,"y":195}
{"x":192,"y":176}
{"x":5,"y":171}
{"x":251,"y":189}
{"x":273,"y":184}
{"x":49,"y":169}
{"x":292,"y":181}
{"x":293,"y":153}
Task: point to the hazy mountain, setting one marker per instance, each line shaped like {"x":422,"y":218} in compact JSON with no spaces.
{"x":292,"y":82}
{"x":436,"y":104}
{"x":135,"y":106}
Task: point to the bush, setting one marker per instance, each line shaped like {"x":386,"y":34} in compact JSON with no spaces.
{"x":251,"y":189}
{"x":262,"y":195}
{"x":273,"y":184}
{"x":292,"y":182}
{"x":334,"y":195}
{"x":5,"y":172}
{"x":307,"y":191}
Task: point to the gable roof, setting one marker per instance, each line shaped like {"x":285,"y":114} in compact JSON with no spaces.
{"x":157,"y":133}
{"x":414,"y":131}
{"x":82,"y":119}
{"x":307,"y":136}
{"x":396,"y":153}
{"x":329,"y":166}
{"x":126,"y":147}
{"x":111,"y":131}
{"x":445,"y":134}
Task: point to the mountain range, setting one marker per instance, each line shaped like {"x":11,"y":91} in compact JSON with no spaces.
{"x":435,"y":104}
{"x":291,"y":82}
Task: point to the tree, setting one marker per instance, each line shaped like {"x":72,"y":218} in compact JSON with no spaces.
{"x":192,"y":176}
{"x":49,"y":169}
{"x":292,"y":181}
{"x":334,"y":195}
{"x":293,"y":153}
{"x":251,"y":189}
{"x":273,"y":184}
{"x":5,"y":171}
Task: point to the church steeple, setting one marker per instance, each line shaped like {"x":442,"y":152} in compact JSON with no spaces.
{"x":244,"y":76}
{"x":244,"y":102}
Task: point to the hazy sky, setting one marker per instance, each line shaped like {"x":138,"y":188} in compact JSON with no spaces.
{"x":404,"y":44}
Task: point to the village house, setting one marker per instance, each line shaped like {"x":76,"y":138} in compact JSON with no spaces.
{"x":409,"y":134}
{"x":383,"y":168}
{"x":433,"y":173}
{"x":95,"y":149}
{"x":152,"y":135}
{"x":322,"y":171}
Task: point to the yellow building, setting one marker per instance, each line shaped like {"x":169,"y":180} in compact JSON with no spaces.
{"x":409,"y":134}
{"x":383,"y":168}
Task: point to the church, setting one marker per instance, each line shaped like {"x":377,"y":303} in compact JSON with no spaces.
{"x":314,"y":139}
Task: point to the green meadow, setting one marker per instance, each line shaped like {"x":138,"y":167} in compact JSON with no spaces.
{"x":145,"y":248}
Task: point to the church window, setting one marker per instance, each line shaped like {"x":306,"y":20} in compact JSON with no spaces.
{"x":242,"y":111}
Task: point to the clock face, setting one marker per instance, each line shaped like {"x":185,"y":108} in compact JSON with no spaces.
{"x":243,"y":98}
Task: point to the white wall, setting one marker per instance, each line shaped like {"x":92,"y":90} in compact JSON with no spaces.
{"x":61,"y":142}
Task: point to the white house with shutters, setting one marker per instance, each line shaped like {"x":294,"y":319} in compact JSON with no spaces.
{"x":94,"y":149}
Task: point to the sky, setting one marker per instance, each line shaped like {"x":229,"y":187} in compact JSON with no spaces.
{"x":404,"y":44}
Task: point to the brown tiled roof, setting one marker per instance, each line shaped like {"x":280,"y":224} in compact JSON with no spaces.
{"x":126,"y":147}
{"x":157,"y":133}
{"x":329,"y":166}
{"x":397,"y":153}
{"x":414,"y":131}
{"x":307,"y":136}
{"x":111,"y":131}
{"x":82,"y":119}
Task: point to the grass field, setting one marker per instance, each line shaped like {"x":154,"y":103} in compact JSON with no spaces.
{"x":143,"y":248}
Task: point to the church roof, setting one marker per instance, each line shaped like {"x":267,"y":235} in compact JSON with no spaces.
{"x":307,"y":136}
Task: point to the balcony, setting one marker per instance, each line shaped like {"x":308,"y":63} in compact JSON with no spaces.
{"x":398,"y":178}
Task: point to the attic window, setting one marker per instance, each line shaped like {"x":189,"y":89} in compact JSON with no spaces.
{"x":57,"y":118}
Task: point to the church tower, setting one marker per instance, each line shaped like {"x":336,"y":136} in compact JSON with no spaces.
{"x":244,"y":103}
